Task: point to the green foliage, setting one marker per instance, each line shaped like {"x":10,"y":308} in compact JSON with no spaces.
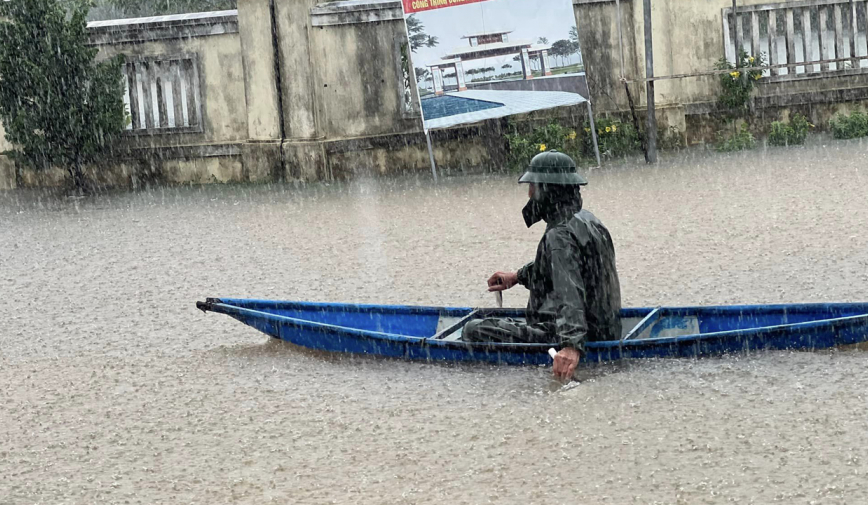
{"x":742,"y":139}
{"x":670,"y":139}
{"x":553,"y":136}
{"x":615,"y":139}
{"x":563,"y":48}
{"x":792,"y":133}
{"x":418,"y":37}
{"x":849,"y":127}
{"x":59,"y":107}
{"x":737,"y":85}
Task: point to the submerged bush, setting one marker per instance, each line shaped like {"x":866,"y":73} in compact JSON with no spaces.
{"x":741,"y":140}
{"x":792,"y":133}
{"x":614,"y":138}
{"x":670,"y":139}
{"x":849,"y":127}
{"x":524,"y":146}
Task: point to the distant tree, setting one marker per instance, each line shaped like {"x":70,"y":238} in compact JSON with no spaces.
{"x":575,"y":49}
{"x":507,"y":66}
{"x":561,"y":48}
{"x":574,"y":43}
{"x":422,"y":74}
{"x":59,"y":106}
{"x":533,"y":60}
{"x":418,"y":37}
{"x":542,"y":40}
{"x":574,"y":35}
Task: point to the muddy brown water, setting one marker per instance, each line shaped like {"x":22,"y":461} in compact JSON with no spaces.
{"x":115,"y":389}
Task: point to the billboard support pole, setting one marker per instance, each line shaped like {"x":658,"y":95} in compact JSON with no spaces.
{"x":651,"y":120}
{"x":431,"y":154}
{"x":594,"y":133}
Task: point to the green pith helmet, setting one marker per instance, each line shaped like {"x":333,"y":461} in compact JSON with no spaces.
{"x":553,"y":167}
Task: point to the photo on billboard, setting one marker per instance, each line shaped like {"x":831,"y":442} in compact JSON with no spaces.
{"x":482,"y":59}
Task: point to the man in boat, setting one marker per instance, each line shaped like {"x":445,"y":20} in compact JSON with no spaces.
{"x":575,"y":295}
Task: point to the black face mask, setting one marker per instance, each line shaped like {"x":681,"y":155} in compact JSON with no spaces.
{"x":532,"y":212}
{"x":547,"y":200}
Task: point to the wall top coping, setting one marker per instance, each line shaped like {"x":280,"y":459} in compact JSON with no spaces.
{"x":177,"y":26}
{"x":350,"y":12}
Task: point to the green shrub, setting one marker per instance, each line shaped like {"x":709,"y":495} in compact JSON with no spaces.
{"x":670,"y":139}
{"x":792,"y":133}
{"x":614,"y":138}
{"x":780,"y":134}
{"x":849,"y":127}
{"x":741,"y":140}
{"x":524,"y":146}
{"x":737,"y":85}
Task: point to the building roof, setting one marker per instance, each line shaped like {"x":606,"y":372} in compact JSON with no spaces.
{"x":444,"y":62}
{"x":498,"y":47}
{"x":486,"y":33}
{"x":473,"y":106}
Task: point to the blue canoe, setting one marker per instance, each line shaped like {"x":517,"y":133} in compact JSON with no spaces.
{"x":433,"y":333}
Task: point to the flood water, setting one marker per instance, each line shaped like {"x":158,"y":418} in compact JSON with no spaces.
{"x":115,"y":389}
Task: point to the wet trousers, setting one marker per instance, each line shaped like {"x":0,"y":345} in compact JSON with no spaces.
{"x":507,"y":330}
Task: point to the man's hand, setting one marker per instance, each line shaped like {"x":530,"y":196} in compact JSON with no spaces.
{"x":565,"y":363}
{"x":501,"y":281}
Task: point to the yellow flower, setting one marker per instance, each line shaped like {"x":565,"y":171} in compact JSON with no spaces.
{"x":587,"y":130}
{"x":734,"y":74}
{"x":812,"y":126}
{"x":757,"y":77}
{"x":608,"y":129}
{"x":614,"y":128}
{"x":572,"y":136}
{"x":542,"y":147}
{"x":751,"y":59}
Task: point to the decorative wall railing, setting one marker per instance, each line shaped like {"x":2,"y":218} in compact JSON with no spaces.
{"x":163,"y":95}
{"x":826,"y":35}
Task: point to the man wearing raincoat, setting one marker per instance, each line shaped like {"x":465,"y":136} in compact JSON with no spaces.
{"x":575,"y":295}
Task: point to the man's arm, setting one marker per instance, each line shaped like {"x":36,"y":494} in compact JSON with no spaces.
{"x":568,"y":296}
{"x":524,"y":274}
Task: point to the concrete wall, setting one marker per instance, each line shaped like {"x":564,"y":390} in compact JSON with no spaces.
{"x":221,"y":73}
{"x":299,"y":94}
{"x":598,"y":37}
{"x":301,"y":91}
{"x":360,"y":92}
{"x":260,"y":86}
{"x":688,"y":38}
{"x":213,"y":154}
